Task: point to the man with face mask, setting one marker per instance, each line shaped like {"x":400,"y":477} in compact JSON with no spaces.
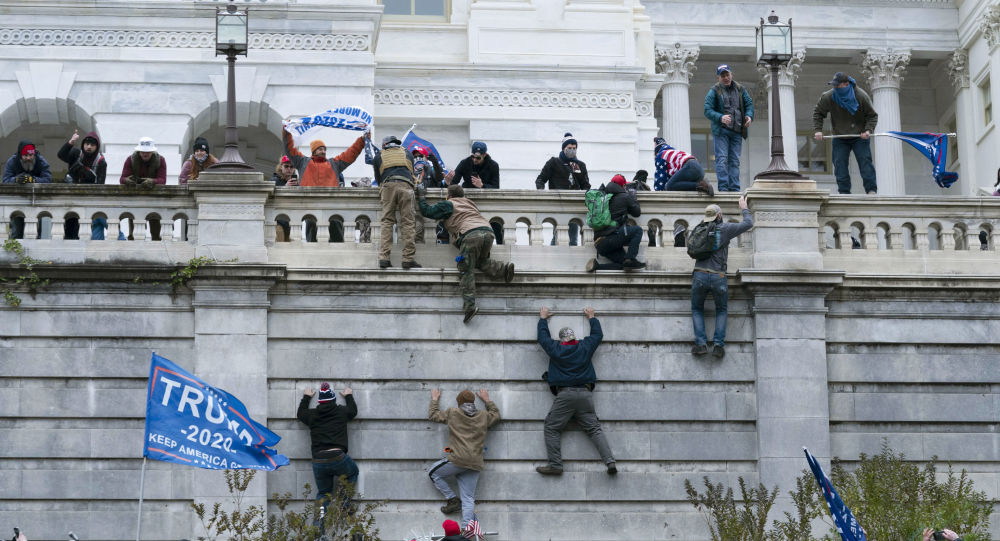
{"x":851,"y":113}
{"x":565,"y":172}
{"x":26,"y":166}
{"x":197,"y":162}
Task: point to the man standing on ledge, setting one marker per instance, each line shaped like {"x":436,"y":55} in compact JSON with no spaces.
{"x":571,"y":378}
{"x":851,"y":113}
{"x":730,"y":109}
{"x":394,"y":169}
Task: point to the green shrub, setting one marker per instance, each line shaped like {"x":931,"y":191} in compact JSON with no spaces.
{"x":729,"y":521}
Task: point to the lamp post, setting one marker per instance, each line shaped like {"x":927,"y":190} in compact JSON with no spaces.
{"x":231,"y":39}
{"x":774,"y":48}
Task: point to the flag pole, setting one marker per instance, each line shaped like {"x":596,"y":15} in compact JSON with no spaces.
{"x":413,"y":127}
{"x":142,"y":482}
{"x":872,"y":135}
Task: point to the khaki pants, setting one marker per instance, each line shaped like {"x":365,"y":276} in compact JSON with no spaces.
{"x":397,"y":197}
{"x":475,"y":252}
{"x":418,"y":222}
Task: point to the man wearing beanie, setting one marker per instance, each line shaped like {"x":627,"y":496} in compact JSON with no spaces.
{"x":571,"y":378}
{"x":452,"y":532}
{"x":327,"y":424}
{"x":478,"y":170}
{"x":467,"y":428}
{"x":199,"y":160}
{"x":26,"y":166}
{"x":565,"y":172}
{"x":316,"y":170}
{"x":677,"y":170}
{"x":618,"y":242}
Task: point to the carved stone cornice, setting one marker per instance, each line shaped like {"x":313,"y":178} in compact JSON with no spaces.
{"x":989,"y":25}
{"x":677,"y":62}
{"x":958,"y":69}
{"x":885,"y":69}
{"x":788,"y":73}
{"x":501,"y":98}
{"x":65,"y":37}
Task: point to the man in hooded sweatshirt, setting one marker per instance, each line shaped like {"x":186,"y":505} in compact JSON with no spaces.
{"x":199,"y":160}
{"x":467,"y":428}
{"x":565,"y":172}
{"x":618,"y":242}
{"x":316,"y":169}
{"x":571,"y":378}
{"x":327,"y":424}
{"x":145,"y":167}
{"x":86,"y":164}
{"x":851,"y":113}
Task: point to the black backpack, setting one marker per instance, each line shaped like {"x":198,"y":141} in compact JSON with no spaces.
{"x":704,"y":240}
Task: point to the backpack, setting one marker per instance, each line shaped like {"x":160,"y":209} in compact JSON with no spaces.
{"x":599,"y":209}
{"x":704,"y":240}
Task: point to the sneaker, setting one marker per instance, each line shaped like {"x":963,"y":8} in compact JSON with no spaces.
{"x":718,"y":352}
{"x":470,"y":313}
{"x":699,"y":349}
{"x":407,"y":265}
{"x":453,"y":505}
{"x":592,"y":265}
{"x":612,"y":470}
{"x":508,"y":273}
{"x":548,"y":470}
{"x":705,"y":188}
{"x":384,"y":263}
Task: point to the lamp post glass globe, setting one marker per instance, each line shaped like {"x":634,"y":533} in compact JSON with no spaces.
{"x":231,"y":39}
{"x":774,"y":48}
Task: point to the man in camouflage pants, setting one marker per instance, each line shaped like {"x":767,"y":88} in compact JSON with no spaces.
{"x":474,"y":240}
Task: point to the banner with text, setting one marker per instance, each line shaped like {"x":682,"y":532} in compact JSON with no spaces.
{"x":192,"y":423}
{"x":344,"y":118}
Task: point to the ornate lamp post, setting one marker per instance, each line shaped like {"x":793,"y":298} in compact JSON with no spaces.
{"x":231,"y":39}
{"x":774,"y":48}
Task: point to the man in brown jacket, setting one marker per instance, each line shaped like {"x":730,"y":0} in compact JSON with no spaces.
{"x":467,"y":435}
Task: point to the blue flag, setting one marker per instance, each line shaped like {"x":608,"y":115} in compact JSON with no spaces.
{"x":935,"y":147}
{"x":847,"y":525}
{"x":192,"y":423}
{"x":411,"y":141}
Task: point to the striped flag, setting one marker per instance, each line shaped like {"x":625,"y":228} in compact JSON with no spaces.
{"x":473,"y":531}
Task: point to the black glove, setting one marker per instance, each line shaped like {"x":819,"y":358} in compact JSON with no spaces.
{"x":421,"y":191}
{"x":24,"y":178}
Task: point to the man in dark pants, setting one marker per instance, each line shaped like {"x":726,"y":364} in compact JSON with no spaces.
{"x":851,"y":113}
{"x":328,"y":431}
{"x":618,"y":242}
{"x":571,"y":378}
{"x":710,"y":276}
{"x":565,"y":172}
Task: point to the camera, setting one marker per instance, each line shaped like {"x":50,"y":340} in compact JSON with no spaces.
{"x":939,"y":536}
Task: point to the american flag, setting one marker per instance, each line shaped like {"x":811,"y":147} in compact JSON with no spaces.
{"x":473,"y":531}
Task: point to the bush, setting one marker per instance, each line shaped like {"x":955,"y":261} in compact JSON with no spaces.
{"x":342,"y":522}
{"x":728,"y":521}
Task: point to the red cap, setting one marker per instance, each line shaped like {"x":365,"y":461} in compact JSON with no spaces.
{"x":285,"y":159}
{"x":28,"y":149}
{"x":419,"y":150}
{"x":619,"y":180}
{"x":451,"y":527}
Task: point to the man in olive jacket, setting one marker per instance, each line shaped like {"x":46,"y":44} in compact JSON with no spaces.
{"x":851,"y":113}
{"x":467,"y":428}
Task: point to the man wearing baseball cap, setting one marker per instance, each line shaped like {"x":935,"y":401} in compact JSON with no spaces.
{"x":729,"y":108}
{"x":851,"y":113}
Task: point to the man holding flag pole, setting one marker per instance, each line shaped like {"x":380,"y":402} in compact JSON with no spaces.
{"x":852,"y":119}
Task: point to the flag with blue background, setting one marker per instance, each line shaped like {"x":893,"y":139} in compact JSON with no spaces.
{"x":847,"y":525}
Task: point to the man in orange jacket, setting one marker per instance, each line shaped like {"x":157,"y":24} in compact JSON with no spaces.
{"x":316,"y":170}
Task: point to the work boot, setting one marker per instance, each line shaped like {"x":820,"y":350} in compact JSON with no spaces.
{"x":407,"y":265}
{"x":470,"y":313}
{"x":718,"y":352}
{"x":612,"y":470}
{"x":453,"y":505}
{"x":699,"y":349}
{"x":592,"y":265}
{"x":705,"y":188}
{"x":548,"y":470}
{"x":384,"y":263}
{"x":508,"y":273}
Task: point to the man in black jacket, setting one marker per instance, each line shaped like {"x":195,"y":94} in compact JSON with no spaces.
{"x":327,"y":424}
{"x":478,"y":170}
{"x":618,"y":242}
{"x":565,"y":172}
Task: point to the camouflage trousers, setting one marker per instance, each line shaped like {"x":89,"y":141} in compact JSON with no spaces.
{"x":475,"y":255}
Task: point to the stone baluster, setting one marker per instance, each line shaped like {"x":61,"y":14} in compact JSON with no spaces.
{"x":948,"y":239}
{"x":787,"y":75}
{"x":895,"y":239}
{"x":350,"y":226}
{"x":587,"y":236}
{"x":509,"y":232}
{"x":192,"y":231}
{"x":885,"y":71}
{"x":995,"y":238}
{"x":58,"y":231}
{"x":31,"y":227}
{"x":270,"y":232}
{"x":85,"y":224}
{"x":114,"y":226}
{"x":166,"y":230}
{"x":139,"y":229}
{"x":922,"y":243}
{"x":322,"y":230}
{"x":845,"y":238}
{"x":677,"y":64}
{"x":870,"y":238}
{"x":972,"y":239}
{"x":535,"y":234}
{"x":295,"y":231}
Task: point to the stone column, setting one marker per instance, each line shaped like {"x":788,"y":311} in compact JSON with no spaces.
{"x":884,"y":70}
{"x":787,"y":75}
{"x":677,"y":64}
{"x":965,"y":115}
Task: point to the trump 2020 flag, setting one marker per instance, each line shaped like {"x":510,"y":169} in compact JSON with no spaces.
{"x":935,"y":147}
{"x":411,"y":141}
{"x":344,"y":118}
{"x":192,"y":423}
{"x":847,"y":525}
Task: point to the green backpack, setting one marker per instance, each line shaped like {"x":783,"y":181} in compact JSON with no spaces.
{"x":704,"y":240}
{"x":599,"y":209}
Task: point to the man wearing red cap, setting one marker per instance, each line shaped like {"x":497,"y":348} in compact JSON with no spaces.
{"x":327,"y":424}
{"x":26,"y":166}
{"x":618,"y":242}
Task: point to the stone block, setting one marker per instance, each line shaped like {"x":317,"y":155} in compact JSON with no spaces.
{"x":922,"y":407}
{"x":778,"y":325}
{"x":727,"y":446}
{"x":780,"y":357}
{"x":792,"y":397}
{"x":906,"y":365}
{"x":230,"y":321}
{"x":108,"y":323}
{"x":785,"y":437}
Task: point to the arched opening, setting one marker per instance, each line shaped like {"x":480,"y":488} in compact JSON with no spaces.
{"x":363,"y":229}
{"x":98,"y":226}
{"x":858,"y":236}
{"x":831,"y":235}
{"x":260,"y":134}
{"x":336,"y":228}
{"x":654,"y":231}
{"x":71,"y":226}
{"x":884,"y":242}
{"x":44,"y":225}
{"x":909,"y":237}
{"x":51,"y":125}
{"x":985,"y":237}
{"x":496,"y":223}
{"x":283,"y":231}
{"x":549,"y":231}
{"x":961,"y":237}
{"x":575,"y":229}
{"x":309,"y":228}
{"x":934,"y":236}
{"x":522,"y":232}
{"x":180,"y":227}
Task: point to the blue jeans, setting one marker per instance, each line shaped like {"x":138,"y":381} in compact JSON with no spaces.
{"x":611,"y":246}
{"x":863,"y":154}
{"x":328,"y":472}
{"x":728,"y":146}
{"x":701,"y":284}
{"x":686,"y":178}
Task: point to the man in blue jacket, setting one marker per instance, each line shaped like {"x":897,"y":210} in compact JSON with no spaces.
{"x":571,"y":378}
{"x":729,"y":107}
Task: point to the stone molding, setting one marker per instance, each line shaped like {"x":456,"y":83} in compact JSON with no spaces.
{"x":989,"y":25}
{"x":677,"y":62}
{"x":958,"y":69}
{"x":512,"y":98}
{"x":643,"y":108}
{"x":65,"y":37}
{"x":885,"y":69}
{"x":805,"y":219}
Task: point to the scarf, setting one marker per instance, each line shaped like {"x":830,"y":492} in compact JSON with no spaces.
{"x":564,"y":158}
{"x":846,"y":98}
{"x":570,"y":343}
{"x":468,"y":408}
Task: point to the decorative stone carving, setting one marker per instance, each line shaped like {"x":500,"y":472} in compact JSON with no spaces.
{"x":990,"y":26}
{"x":514,"y":98}
{"x":677,"y":63}
{"x":804,"y":219}
{"x":62,"y":37}
{"x":885,"y":69}
{"x":644,"y":108}
{"x":958,"y":69}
